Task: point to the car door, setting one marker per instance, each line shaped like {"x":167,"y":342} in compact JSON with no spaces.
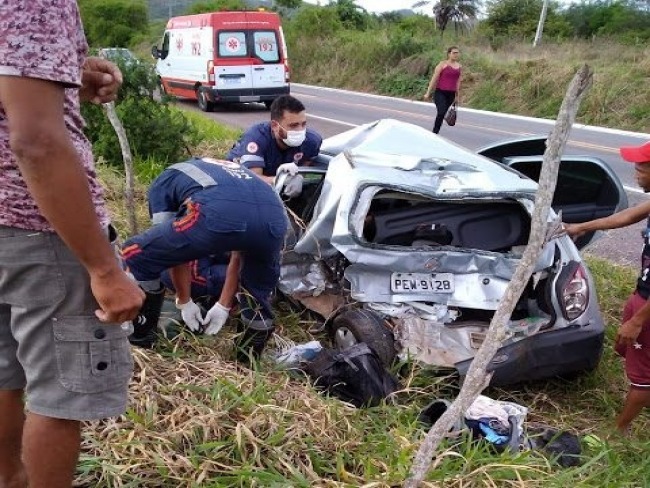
{"x":268,"y":70}
{"x":233,"y":70}
{"x":586,"y":189}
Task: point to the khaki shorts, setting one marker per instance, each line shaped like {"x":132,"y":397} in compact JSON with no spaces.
{"x":71,"y":365}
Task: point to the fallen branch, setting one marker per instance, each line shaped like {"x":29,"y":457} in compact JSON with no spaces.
{"x":109,"y":108}
{"x":477,"y":377}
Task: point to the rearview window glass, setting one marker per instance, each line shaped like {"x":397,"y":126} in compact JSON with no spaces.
{"x":232,"y":44}
{"x":578,"y":182}
{"x":266,"y":46}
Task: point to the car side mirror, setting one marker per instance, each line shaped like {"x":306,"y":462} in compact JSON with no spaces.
{"x":155,"y":52}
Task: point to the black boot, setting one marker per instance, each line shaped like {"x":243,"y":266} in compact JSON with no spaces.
{"x":145,"y":325}
{"x":253,"y":338}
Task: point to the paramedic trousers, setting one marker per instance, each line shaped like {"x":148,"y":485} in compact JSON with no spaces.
{"x":207,"y":224}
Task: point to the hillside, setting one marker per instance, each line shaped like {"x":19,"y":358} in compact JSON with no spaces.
{"x":164,"y":9}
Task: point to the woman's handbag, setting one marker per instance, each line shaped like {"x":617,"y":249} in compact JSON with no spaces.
{"x":450,"y":116}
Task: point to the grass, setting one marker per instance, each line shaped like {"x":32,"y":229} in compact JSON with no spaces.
{"x":511,"y":78}
{"x":196,"y":418}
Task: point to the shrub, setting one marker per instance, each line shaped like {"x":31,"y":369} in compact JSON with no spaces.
{"x":155,"y":130}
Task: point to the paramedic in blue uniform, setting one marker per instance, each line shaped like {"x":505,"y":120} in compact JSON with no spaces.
{"x":200,"y":208}
{"x":267,"y":149}
{"x":282,"y":144}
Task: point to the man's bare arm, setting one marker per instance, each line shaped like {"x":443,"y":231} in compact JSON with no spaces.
{"x":620,"y":219}
{"x":269,"y":179}
{"x":181,"y":278}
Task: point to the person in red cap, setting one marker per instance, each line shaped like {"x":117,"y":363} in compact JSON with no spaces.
{"x":633,"y":337}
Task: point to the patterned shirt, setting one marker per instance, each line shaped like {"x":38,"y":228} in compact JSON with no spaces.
{"x":42,"y":39}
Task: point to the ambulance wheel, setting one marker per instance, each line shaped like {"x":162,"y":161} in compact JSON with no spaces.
{"x":204,"y":102}
{"x":359,"y":325}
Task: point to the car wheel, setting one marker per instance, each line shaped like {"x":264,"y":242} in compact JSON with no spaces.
{"x":359,"y":325}
{"x":268,"y":104}
{"x":204,"y":102}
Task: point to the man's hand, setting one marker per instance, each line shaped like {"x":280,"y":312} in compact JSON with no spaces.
{"x":118,"y":296}
{"x":215,"y":319}
{"x":291,"y":168}
{"x":574,"y":230}
{"x":628,"y":332}
{"x":191,"y":314}
{"x":100,"y":81}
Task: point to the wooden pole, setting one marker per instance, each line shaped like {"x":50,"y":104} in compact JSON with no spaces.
{"x":129,"y":197}
{"x":477,"y":378}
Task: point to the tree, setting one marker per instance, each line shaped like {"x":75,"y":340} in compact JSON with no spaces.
{"x":457,"y":11}
{"x":521,"y":17}
{"x":216,"y":6}
{"x":288,"y":3}
{"x":113,"y":22}
{"x":351,"y":15}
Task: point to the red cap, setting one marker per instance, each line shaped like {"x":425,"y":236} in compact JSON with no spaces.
{"x":636,"y":154}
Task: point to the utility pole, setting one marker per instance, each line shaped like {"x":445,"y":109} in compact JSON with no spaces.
{"x":540,"y":25}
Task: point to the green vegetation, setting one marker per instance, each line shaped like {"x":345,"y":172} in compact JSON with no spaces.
{"x":341,"y":45}
{"x":113,"y":23}
{"x":156,"y":131}
{"x":502,"y":71}
{"x":198,"y":419}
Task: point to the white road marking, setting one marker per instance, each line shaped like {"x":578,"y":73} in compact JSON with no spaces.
{"x":587,"y":145}
{"x":594,"y":128}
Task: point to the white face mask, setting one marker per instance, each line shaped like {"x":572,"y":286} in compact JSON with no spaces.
{"x":295,"y":137}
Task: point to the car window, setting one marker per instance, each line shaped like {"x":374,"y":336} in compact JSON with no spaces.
{"x":164,"y":51}
{"x":266,"y":46}
{"x":232,"y":44}
{"x":578,"y":182}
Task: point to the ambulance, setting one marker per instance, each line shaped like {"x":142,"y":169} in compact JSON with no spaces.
{"x":219,"y":57}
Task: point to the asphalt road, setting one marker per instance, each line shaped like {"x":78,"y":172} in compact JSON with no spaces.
{"x":332,"y":111}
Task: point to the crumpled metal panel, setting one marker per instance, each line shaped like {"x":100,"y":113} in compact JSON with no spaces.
{"x":394,"y":155}
{"x":445,"y":345}
{"x":407,"y":158}
{"x":480,"y":279}
{"x":433,"y":343}
{"x":302,"y":275}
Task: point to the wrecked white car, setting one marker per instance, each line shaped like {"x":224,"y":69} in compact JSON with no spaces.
{"x":407,"y":241}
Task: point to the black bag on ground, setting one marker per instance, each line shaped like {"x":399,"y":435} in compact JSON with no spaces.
{"x":354,"y":375}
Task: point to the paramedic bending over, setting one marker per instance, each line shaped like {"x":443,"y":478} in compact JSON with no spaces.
{"x":204,"y":207}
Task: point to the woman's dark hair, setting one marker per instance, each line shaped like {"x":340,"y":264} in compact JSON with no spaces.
{"x":450,"y":49}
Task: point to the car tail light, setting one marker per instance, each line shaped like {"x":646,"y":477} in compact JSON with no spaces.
{"x":574,"y":291}
{"x":287,"y":72}
{"x":211,"y":72}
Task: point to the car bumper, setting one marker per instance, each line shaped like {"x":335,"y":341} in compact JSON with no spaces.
{"x":238,"y":95}
{"x":546,"y":355}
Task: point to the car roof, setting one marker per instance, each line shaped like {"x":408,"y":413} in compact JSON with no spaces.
{"x":391,"y":146}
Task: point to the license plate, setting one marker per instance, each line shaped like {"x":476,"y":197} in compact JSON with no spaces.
{"x":422,"y":282}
